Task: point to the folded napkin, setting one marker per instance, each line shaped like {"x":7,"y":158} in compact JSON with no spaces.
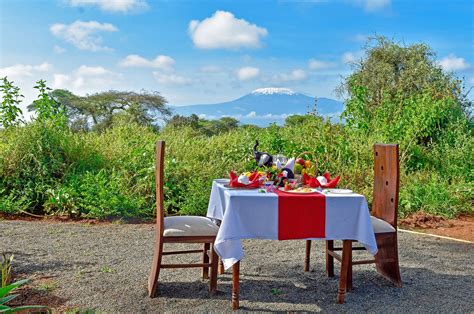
{"x":321,"y":182}
{"x":254,"y":180}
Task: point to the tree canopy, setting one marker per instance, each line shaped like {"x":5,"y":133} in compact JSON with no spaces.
{"x":98,"y":111}
{"x":401,"y":93}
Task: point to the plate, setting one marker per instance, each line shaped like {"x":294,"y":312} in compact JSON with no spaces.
{"x":227,"y":186}
{"x":298,"y":192}
{"x":339,"y":191}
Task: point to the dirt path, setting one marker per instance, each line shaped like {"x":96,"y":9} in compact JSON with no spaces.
{"x":460,"y":228}
{"x":105,"y":267}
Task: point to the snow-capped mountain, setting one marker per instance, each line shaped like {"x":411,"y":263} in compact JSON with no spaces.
{"x":264,"y":106}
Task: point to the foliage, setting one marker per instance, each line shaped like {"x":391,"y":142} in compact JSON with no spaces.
{"x":47,"y":108}
{"x":6,"y":270}
{"x":5,"y":298}
{"x":11,"y":99}
{"x":99,"y":111}
{"x":207,"y":127}
{"x":396,"y":94}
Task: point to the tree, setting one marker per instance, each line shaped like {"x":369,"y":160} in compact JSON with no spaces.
{"x":392,"y":75}
{"x":400,"y":94}
{"x":98,"y":111}
{"x":9,"y":107}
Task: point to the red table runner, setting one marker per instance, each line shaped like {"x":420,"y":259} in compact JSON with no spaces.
{"x":301,"y":216}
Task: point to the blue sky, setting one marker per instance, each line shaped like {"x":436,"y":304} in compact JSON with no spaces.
{"x":211,"y":51}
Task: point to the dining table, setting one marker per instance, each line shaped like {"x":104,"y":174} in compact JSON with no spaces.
{"x":277,"y":215}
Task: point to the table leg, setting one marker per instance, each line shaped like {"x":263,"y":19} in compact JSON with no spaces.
{"x":308,"y":255}
{"x":346,"y":255}
{"x":235,"y":285}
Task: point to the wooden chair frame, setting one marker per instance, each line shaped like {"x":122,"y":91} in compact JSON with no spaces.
{"x":385,"y":207}
{"x":208,"y":251}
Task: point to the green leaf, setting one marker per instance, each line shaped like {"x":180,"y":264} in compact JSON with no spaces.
{"x":31,"y":307}
{"x":5,"y":290}
{"x":7,"y":298}
{"x":4,"y":308}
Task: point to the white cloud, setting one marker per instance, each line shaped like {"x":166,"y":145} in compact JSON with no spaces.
{"x":223,"y":30}
{"x":171,"y":79}
{"x":372,"y":5}
{"x":453,"y":63}
{"x":247,"y":73}
{"x":160,"y":62}
{"x":316,"y":65}
{"x":83,"y":35}
{"x":58,"y":49}
{"x":19,"y":71}
{"x":122,"y":6}
{"x":86,"y":79}
{"x":293,"y":76}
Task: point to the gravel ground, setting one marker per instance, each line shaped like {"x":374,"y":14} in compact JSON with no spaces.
{"x":105,"y":267}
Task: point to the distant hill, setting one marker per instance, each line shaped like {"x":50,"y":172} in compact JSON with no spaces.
{"x":263,"y":106}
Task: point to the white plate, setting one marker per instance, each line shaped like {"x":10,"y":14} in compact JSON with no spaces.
{"x":297,"y":192}
{"x":339,"y":191}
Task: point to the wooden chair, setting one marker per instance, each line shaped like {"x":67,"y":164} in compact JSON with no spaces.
{"x":180,"y":229}
{"x":384,"y":221}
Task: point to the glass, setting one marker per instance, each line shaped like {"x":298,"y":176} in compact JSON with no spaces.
{"x":281,"y":158}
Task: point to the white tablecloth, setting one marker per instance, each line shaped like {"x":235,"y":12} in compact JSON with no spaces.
{"x":249,"y":214}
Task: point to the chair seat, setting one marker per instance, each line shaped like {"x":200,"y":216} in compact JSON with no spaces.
{"x":189,"y":226}
{"x":381,"y":226}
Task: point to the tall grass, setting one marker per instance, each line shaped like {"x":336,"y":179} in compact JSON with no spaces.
{"x":45,"y":170}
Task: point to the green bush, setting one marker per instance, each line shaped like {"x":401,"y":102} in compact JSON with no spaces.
{"x":45,"y":170}
{"x":396,"y":94}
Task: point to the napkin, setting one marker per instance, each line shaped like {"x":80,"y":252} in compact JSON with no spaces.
{"x":290,"y":164}
{"x":253,"y":180}
{"x":315,"y":183}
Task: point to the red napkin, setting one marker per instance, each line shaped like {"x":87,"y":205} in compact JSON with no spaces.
{"x":254,"y":180}
{"x":312,"y":182}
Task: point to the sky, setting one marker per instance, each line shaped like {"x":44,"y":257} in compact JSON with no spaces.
{"x":198,"y":52}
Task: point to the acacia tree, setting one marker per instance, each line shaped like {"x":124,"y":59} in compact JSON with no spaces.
{"x":98,"y":111}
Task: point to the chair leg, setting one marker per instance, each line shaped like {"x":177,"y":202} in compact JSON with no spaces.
{"x":205,"y":259}
{"x":214,"y":265}
{"x":155,"y":267}
{"x":346,"y":256}
{"x":221,"y":267}
{"x":235,"y":285}
{"x":386,"y":259}
{"x":329,"y":258}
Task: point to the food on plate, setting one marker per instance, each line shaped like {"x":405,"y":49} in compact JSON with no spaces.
{"x":303,"y":190}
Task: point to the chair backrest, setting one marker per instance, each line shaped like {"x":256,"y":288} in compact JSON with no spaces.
{"x":159,"y":181}
{"x":386,"y":182}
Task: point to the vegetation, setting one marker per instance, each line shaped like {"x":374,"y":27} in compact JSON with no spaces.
{"x":105,"y":168}
{"x":6,"y":297}
{"x":98,"y":111}
{"x":5,"y":270}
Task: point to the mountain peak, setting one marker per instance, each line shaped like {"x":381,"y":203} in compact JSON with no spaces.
{"x":272,"y":91}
